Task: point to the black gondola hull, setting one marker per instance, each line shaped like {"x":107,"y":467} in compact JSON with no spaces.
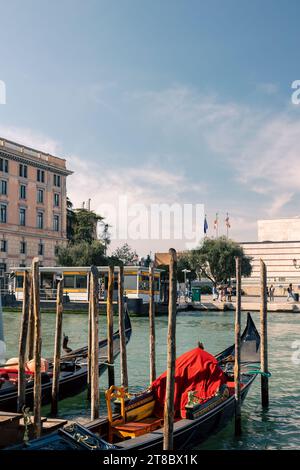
{"x":187,"y":434}
{"x":70,"y":384}
{"x":193,"y":432}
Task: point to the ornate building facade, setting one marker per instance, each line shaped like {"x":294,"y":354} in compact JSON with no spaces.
{"x":32,"y":205}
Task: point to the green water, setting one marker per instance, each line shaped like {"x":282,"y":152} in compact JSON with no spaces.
{"x":277,"y":428}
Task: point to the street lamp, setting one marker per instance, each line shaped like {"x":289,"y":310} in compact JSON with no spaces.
{"x":185,"y":271}
{"x":105,"y":235}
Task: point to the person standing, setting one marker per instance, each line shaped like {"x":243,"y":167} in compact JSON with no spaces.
{"x":222,"y":293}
{"x":290,"y":293}
{"x":225,"y":292}
{"x":215,"y":292}
{"x":271,"y":293}
{"x":229,"y":293}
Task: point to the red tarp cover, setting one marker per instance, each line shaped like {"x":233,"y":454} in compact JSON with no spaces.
{"x":195,"y":370}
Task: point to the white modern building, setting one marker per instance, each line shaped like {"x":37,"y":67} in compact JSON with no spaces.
{"x":278,"y":246}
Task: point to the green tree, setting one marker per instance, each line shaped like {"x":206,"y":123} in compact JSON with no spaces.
{"x":147,"y":261}
{"x":82,"y":254}
{"x":83,"y":248}
{"x":125,"y":254}
{"x":215,"y":259}
{"x":70,"y":220}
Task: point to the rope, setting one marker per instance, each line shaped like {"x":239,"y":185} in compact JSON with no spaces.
{"x":264,"y":374}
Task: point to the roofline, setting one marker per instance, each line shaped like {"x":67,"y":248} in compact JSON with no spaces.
{"x":296,"y":217}
{"x":37,"y":160}
{"x":269,"y":241}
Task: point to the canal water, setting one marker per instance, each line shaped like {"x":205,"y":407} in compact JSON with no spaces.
{"x":277,"y":428}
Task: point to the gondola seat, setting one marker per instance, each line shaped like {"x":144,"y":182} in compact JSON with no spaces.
{"x":135,"y":429}
{"x":122,"y":426}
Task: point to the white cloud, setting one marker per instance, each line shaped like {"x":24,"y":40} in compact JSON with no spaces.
{"x":259,"y":146}
{"x":144,"y":185}
{"x":279,"y":202}
{"x":30,"y":138}
{"x":273,"y":155}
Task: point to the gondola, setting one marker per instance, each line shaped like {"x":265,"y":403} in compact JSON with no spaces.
{"x":202,"y":420}
{"x":72,"y":379}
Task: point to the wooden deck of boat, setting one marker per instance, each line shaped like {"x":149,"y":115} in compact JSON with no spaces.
{"x":149,"y":438}
{"x":12,"y":427}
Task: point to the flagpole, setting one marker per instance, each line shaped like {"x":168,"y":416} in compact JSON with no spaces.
{"x":205,"y":228}
{"x":217,"y":225}
{"x":227,"y":228}
{"x":227,"y":224}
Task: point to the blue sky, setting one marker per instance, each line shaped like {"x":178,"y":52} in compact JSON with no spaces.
{"x":164,"y":101}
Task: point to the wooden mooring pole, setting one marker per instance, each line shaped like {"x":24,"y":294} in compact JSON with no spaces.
{"x":23,"y":341}
{"x":152,"y":324}
{"x":30,"y":342}
{"x":37,"y":390}
{"x":94,"y":377}
{"x":123,"y":352}
{"x":237,"y":357}
{"x":110,"y":327}
{"x":170,"y":385}
{"x":89,"y":355}
{"x":57,"y":348}
{"x":264,"y":336}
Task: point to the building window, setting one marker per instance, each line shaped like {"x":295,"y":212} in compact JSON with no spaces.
{"x":2,"y":269}
{"x":4,"y":165}
{"x":3,"y":246}
{"x":22,"y":191}
{"x":3,"y":213}
{"x":41,"y":249}
{"x":40,"y":176}
{"x":56,"y":223}
{"x":22,"y":216}
{"x":23,"y":248}
{"x":40,"y":220}
{"x":40,"y":196}
{"x":3,"y":187}
{"x":56,"y":200}
{"x":23,"y":170}
{"x":56,"y":180}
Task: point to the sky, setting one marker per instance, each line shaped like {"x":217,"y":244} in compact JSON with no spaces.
{"x":160,"y":101}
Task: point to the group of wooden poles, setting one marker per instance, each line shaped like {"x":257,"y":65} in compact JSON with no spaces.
{"x":93,"y":335}
{"x":30,"y":337}
{"x":171,"y":344}
{"x":263,"y":343}
{"x":30,"y":341}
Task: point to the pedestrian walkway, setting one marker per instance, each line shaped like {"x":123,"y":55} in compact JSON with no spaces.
{"x":252,"y":303}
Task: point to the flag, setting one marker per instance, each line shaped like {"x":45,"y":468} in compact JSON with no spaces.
{"x":227,"y":221}
{"x":216,"y":222}
{"x":205,"y":225}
